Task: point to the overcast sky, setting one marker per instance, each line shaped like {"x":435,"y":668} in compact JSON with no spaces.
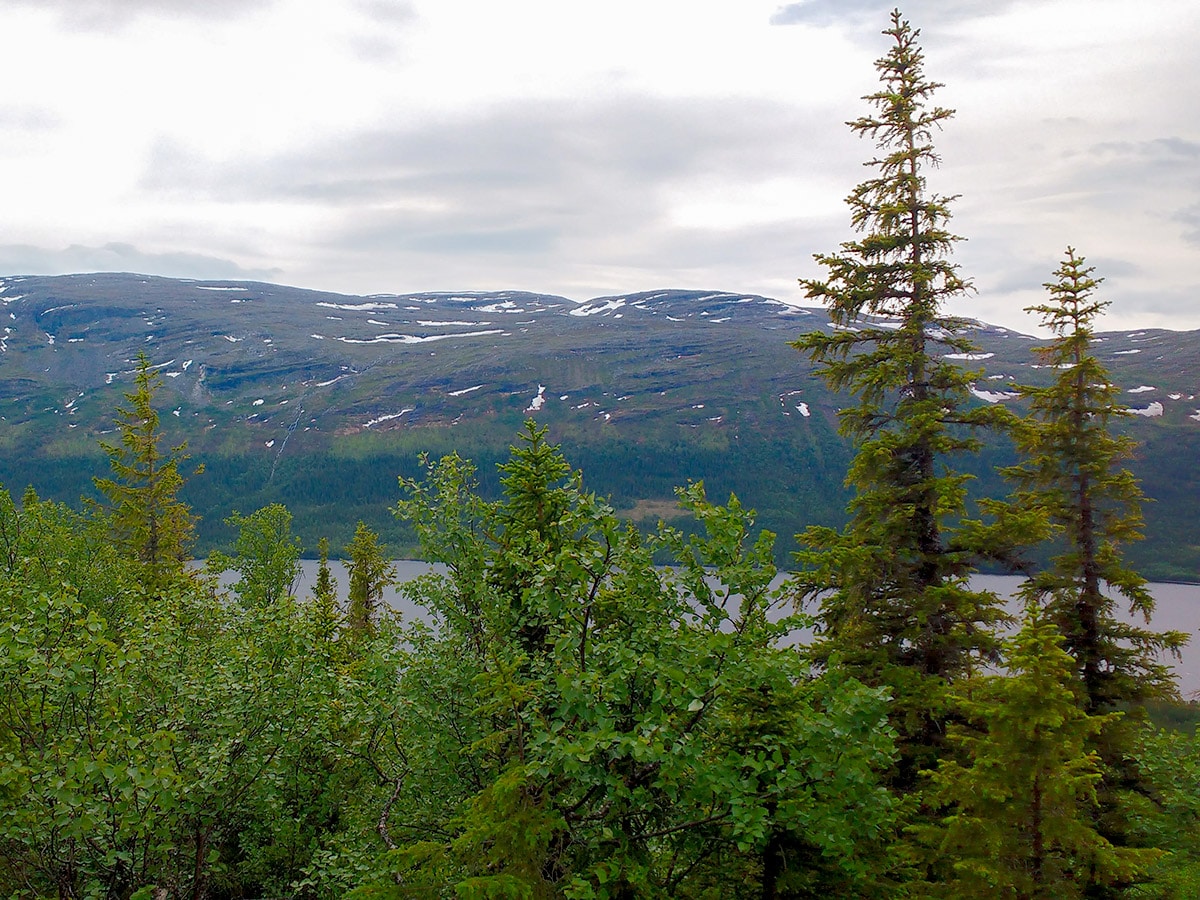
{"x":582,"y":149}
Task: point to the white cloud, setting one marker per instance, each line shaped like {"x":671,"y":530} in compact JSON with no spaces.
{"x":106,"y":15}
{"x":21,"y":259}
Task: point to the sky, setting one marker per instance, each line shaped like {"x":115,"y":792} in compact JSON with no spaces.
{"x":585,"y":149}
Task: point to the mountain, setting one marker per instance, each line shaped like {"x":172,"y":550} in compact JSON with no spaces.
{"x":319,"y":400}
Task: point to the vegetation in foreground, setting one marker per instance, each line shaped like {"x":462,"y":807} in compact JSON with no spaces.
{"x":574,"y":721}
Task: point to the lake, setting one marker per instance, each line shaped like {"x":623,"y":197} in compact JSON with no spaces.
{"x":1178,"y":607}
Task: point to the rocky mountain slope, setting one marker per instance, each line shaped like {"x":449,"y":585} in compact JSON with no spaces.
{"x":303,"y":395}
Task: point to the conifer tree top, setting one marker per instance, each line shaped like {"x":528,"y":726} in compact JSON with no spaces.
{"x":897,"y":268}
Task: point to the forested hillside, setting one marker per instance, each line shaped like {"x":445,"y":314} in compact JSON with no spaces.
{"x":319,"y":401}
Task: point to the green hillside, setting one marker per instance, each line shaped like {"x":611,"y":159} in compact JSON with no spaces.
{"x":320,"y":400}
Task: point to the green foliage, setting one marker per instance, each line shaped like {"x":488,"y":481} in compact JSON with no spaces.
{"x":1071,"y":472}
{"x":1169,"y":762}
{"x":266,"y":556}
{"x":895,"y":605}
{"x":594,"y":726}
{"x":324,"y":597}
{"x":1175,"y":715}
{"x":148,"y":521}
{"x":192,"y":744}
{"x":87,"y":776}
{"x":45,"y":545}
{"x":1019,"y":818}
{"x":369,"y":572}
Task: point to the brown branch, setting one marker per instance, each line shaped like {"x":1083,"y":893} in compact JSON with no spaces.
{"x":382,"y":826}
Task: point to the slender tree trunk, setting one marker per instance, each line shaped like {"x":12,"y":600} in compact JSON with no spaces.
{"x":199,"y":885}
{"x":1086,"y":639}
{"x":772,"y":867}
{"x":1037,"y":864}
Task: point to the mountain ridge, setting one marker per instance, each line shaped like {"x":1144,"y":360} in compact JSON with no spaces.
{"x":281,"y":378}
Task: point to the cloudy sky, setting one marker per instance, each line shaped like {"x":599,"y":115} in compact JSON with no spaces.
{"x":582,"y":149}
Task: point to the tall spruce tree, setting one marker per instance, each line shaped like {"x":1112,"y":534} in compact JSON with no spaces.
{"x":895,"y":603}
{"x":148,"y":520}
{"x":1072,"y":474}
{"x":325,"y":610}
{"x":369,"y":573}
{"x":1072,"y":470}
{"x":533,"y":531}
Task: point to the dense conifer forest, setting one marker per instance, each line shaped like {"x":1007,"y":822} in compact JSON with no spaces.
{"x":574,"y":719}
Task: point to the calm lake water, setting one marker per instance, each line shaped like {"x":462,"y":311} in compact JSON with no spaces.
{"x":1178,"y":607}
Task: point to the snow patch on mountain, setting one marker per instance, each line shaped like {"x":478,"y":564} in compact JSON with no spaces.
{"x":416,"y":339}
{"x":599,"y":308}
{"x":504,"y":306}
{"x":539,"y":401}
{"x":1154,"y":409}
{"x":370,"y":306}
{"x":388,"y":417}
{"x":994,"y":396}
